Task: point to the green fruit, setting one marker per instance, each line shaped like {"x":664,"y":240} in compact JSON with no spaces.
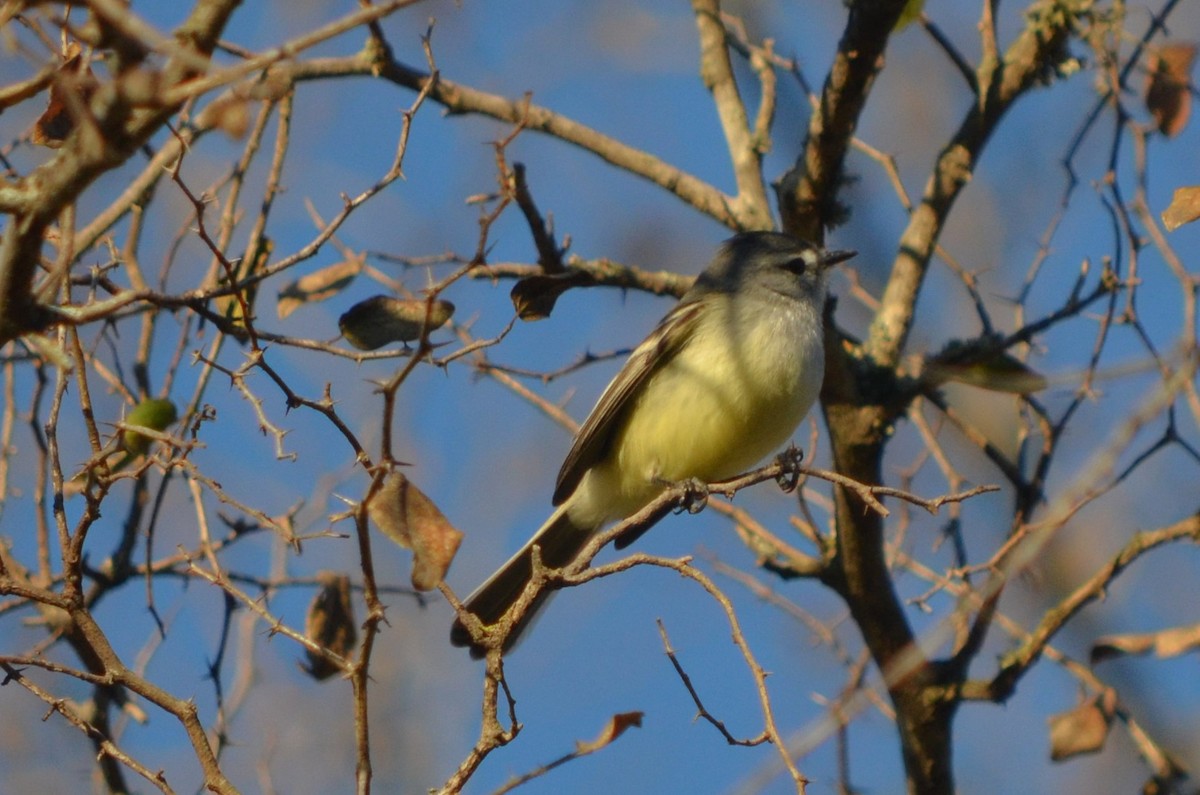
{"x":157,"y":414}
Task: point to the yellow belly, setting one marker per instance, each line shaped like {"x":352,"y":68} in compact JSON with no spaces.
{"x":719,"y":407}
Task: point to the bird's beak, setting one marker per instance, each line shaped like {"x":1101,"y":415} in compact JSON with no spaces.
{"x":831,"y":258}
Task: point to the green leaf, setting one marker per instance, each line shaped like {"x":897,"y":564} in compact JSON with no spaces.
{"x":911,"y":13}
{"x":381,"y":319}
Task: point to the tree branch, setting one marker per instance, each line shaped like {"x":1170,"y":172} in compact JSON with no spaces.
{"x":105,"y":140}
{"x":1031,"y":56}
{"x":745,"y":148}
{"x":807,"y":193}
{"x":1018,"y":662}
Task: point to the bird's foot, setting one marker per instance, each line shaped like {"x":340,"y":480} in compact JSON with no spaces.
{"x":789,"y":462}
{"x":693,"y":495}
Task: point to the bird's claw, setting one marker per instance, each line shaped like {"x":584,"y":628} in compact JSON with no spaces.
{"x":789,"y":460}
{"x":693,"y":496}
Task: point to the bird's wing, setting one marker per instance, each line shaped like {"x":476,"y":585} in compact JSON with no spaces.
{"x":596,"y":435}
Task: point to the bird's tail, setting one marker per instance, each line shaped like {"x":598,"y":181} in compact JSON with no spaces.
{"x":559,"y":540}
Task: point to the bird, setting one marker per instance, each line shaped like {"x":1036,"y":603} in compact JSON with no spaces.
{"x":721,"y":382}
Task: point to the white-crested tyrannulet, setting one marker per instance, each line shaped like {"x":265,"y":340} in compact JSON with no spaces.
{"x":719,"y":384}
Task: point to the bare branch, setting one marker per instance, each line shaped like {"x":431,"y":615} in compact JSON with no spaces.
{"x":746,"y":147}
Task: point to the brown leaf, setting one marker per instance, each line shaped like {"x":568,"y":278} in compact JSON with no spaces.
{"x":330,"y":623}
{"x":1082,"y":730}
{"x":1177,"y":641}
{"x":381,"y":319}
{"x":273,"y":88}
{"x":615,"y":727}
{"x":231,"y":115}
{"x":1166,"y":643}
{"x":404,"y":514}
{"x":534,"y":296}
{"x":1168,"y":94}
{"x":1109,"y":646}
{"x":74,"y":77}
{"x":1001,"y":373}
{"x":318,"y":285}
{"x":1185,"y":208}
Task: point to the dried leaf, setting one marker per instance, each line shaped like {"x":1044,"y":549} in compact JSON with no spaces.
{"x":330,"y":623}
{"x":1185,"y":208}
{"x":1001,"y":373}
{"x":273,"y":88}
{"x":534,"y":296}
{"x":231,"y":115}
{"x":157,"y":414}
{"x":318,"y":285}
{"x":56,"y":122}
{"x":381,"y":319}
{"x":1168,"y":89}
{"x":1167,"y":643}
{"x":1177,"y":641}
{"x":405,"y":515}
{"x":615,"y":727}
{"x":1083,"y":729}
{"x":1110,"y":646}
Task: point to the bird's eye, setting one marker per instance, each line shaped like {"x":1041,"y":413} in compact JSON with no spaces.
{"x":797,"y":265}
